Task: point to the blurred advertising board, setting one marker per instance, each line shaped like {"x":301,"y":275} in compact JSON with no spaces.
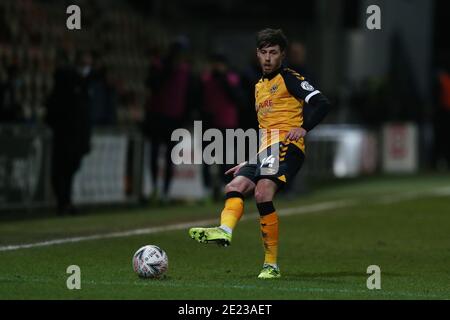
{"x":23,"y":166}
{"x":400,"y":148}
{"x":342,"y":151}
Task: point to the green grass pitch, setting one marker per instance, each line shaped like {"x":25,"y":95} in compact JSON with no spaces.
{"x":328,"y":238}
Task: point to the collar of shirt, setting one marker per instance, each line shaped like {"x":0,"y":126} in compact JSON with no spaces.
{"x":273,"y":74}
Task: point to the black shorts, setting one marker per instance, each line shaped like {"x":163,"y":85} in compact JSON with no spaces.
{"x":279,"y":166}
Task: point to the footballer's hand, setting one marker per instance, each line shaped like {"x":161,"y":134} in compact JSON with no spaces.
{"x":235,"y":169}
{"x":295,"y":134}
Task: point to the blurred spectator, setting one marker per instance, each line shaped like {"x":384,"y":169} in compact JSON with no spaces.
{"x":68,"y":115}
{"x":222,"y":98}
{"x":104,"y":98}
{"x":170,"y":82}
{"x":249,"y":77}
{"x":296,"y":59}
{"x":10,"y":107}
{"x":442,"y":115}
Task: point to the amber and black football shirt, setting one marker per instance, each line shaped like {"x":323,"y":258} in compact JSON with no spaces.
{"x":280,"y":97}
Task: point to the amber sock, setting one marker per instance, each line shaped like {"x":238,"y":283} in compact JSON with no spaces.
{"x":232,"y":213}
{"x":269,"y":232}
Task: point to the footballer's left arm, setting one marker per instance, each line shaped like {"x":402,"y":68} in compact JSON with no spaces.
{"x":320,"y":106}
{"x":300,"y":88}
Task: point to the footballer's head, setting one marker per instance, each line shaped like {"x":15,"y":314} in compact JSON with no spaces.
{"x":271,"y":45}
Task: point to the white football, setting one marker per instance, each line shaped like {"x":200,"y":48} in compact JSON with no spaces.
{"x":150,"y":262}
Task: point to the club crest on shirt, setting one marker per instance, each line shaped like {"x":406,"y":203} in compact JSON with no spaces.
{"x":274,"y":89}
{"x":306,"y":86}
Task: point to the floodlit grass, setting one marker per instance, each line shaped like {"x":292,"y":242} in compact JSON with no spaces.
{"x":401,"y":224}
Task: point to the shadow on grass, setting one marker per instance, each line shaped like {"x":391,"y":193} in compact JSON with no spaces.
{"x":322,"y":276}
{"x":327,"y":275}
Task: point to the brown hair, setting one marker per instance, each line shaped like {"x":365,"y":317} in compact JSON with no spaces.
{"x":271,"y":37}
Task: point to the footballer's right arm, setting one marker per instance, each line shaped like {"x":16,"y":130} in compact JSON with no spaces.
{"x":235,"y":169}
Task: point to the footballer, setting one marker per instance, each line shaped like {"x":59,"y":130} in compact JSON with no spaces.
{"x":281,"y":95}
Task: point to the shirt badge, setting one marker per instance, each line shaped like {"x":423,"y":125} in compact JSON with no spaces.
{"x":306,"y":86}
{"x":274,"y":89}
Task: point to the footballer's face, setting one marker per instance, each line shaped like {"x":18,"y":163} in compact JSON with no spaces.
{"x":270,"y":58}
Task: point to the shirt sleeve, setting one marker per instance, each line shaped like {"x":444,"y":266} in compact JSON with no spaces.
{"x":298,"y":85}
{"x":300,"y":88}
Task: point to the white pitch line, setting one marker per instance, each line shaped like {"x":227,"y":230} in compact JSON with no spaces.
{"x":178,"y":226}
{"x":318,"y":207}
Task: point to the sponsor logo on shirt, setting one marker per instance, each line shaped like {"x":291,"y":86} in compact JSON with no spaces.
{"x":265,"y":106}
